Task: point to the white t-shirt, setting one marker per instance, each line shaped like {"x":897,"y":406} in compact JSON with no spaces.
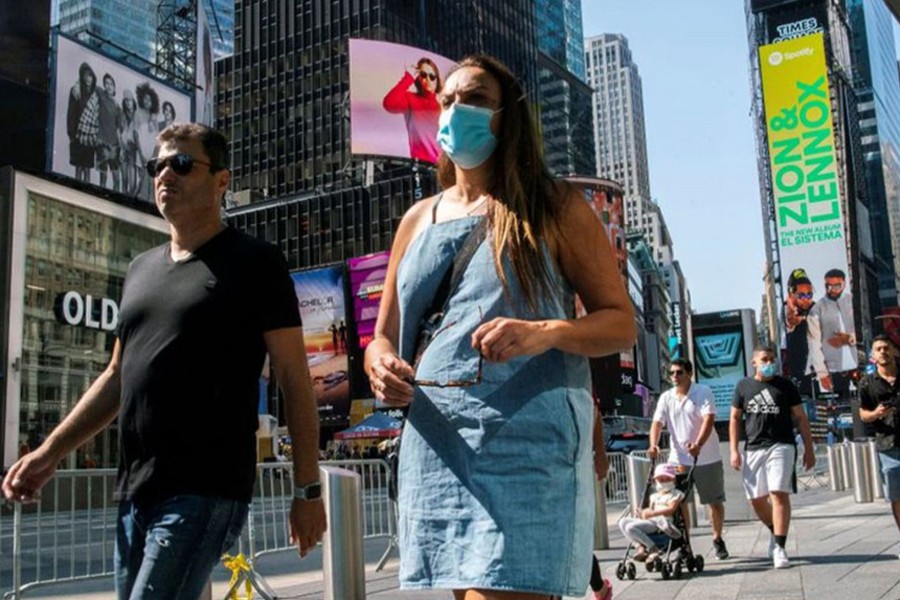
{"x":683,"y":418}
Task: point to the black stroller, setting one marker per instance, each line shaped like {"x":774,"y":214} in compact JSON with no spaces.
{"x":677,"y":556}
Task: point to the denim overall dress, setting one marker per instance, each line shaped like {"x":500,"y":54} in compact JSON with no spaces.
{"x":495,"y":471}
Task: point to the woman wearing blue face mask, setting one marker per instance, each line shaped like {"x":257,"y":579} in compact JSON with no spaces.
{"x":495,"y":478}
{"x":768,"y":406}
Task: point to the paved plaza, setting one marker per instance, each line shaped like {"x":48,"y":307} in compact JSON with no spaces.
{"x":839,"y":549}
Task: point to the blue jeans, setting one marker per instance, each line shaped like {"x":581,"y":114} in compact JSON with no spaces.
{"x":167,"y":550}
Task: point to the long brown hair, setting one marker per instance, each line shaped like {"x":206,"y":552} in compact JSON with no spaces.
{"x":526,"y":198}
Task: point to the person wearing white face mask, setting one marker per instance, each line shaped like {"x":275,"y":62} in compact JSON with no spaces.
{"x":768,"y":406}
{"x":657,"y":517}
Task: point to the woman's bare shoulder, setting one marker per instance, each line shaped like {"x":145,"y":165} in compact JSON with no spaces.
{"x":414,"y":221}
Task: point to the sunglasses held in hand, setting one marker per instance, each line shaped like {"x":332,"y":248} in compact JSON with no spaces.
{"x":182,"y":164}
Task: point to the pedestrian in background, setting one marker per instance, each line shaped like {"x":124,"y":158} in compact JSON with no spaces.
{"x":600,"y":588}
{"x":182,"y":381}
{"x":766,"y":407}
{"x":688,"y":412}
{"x":496,"y":489}
{"x":879,"y":399}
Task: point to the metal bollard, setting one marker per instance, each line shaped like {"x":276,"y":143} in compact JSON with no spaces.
{"x":343,"y":560}
{"x":601,"y":527}
{"x":875,"y":465}
{"x":862,"y":472}
{"x":17,"y":551}
{"x":637,"y":472}
{"x":835,"y":472}
{"x":692,"y":509}
{"x":846,"y":472}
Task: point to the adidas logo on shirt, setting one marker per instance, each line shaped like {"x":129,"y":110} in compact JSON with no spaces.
{"x":763,"y":403}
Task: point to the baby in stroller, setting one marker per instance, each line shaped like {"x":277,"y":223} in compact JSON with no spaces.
{"x":657,"y":531}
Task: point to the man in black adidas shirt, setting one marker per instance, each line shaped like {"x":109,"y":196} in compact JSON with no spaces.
{"x":768,"y":406}
{"x":197,"y":317}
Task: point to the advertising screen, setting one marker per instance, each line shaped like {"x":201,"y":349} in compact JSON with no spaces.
{"x":320,"y":295}
{"x":367,"y":274}
{"x":722,"y":350}
{"x":105,"y":117}
{"x":796,"y":19}
{"x":807,"y":199}
{"x":393,"y":105}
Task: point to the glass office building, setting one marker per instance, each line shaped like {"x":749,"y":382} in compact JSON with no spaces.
{"x":878,"y":89}
{"x":565,"y":96}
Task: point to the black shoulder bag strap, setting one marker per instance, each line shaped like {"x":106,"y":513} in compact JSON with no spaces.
{"x":460,"y":262}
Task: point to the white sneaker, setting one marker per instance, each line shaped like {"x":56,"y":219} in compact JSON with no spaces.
{"x":780,"y":559}
{"x":772,"y":544}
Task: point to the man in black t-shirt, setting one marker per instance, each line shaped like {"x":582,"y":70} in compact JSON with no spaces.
{"x":197,"y":317}
{"x":768,"y":405}
{"x":879,"y":400}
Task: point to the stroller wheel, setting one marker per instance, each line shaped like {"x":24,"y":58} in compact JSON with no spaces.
{"x":677,"y":570}
{"x":665,"y":571}
{"x":632,"y":571}
{"x":698,"y":563}
{"x":620,"y":571}
{"x":689,"y":563}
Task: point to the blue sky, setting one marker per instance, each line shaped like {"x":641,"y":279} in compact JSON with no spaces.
{"x":693,"y":61}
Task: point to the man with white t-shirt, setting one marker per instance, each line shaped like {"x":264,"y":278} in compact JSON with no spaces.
{"x":688,"y":411}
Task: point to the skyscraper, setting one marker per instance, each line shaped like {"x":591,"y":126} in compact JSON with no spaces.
{"x":621,"y":143}
{"x":565,"y":98}
{"x":620,"y":139}
{"x":123,"y":29}
{"x":878,"y":87}
{"x":220,"y":16}
{"x":24,"y":84}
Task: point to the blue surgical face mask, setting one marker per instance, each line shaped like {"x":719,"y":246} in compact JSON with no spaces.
{"x":767,"y":370}
{"x":465,"y":135}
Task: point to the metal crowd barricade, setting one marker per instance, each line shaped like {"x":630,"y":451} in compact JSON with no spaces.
{"x":616,"y":480}
{"x":819,"y":474}
{"x":68,"y":535}
{"x":268,"y":524}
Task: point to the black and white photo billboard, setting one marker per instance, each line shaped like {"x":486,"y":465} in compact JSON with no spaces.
{"x":105,"y":117}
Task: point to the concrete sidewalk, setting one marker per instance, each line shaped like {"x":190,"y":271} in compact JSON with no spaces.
{"x":838,"y":549}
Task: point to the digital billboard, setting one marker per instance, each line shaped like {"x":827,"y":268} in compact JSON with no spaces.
{"x":105,"y":117}
{"x":320,"y":296}
{"x":367,"y":274}
{"x":808,"y":212}
{"x":723,"y":349}
{"x":796,"y":20}
{"x":393,"y":100}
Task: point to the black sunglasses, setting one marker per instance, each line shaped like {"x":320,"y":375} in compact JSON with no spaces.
{"x":182,"y":164}
{"x":430,"y":76}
